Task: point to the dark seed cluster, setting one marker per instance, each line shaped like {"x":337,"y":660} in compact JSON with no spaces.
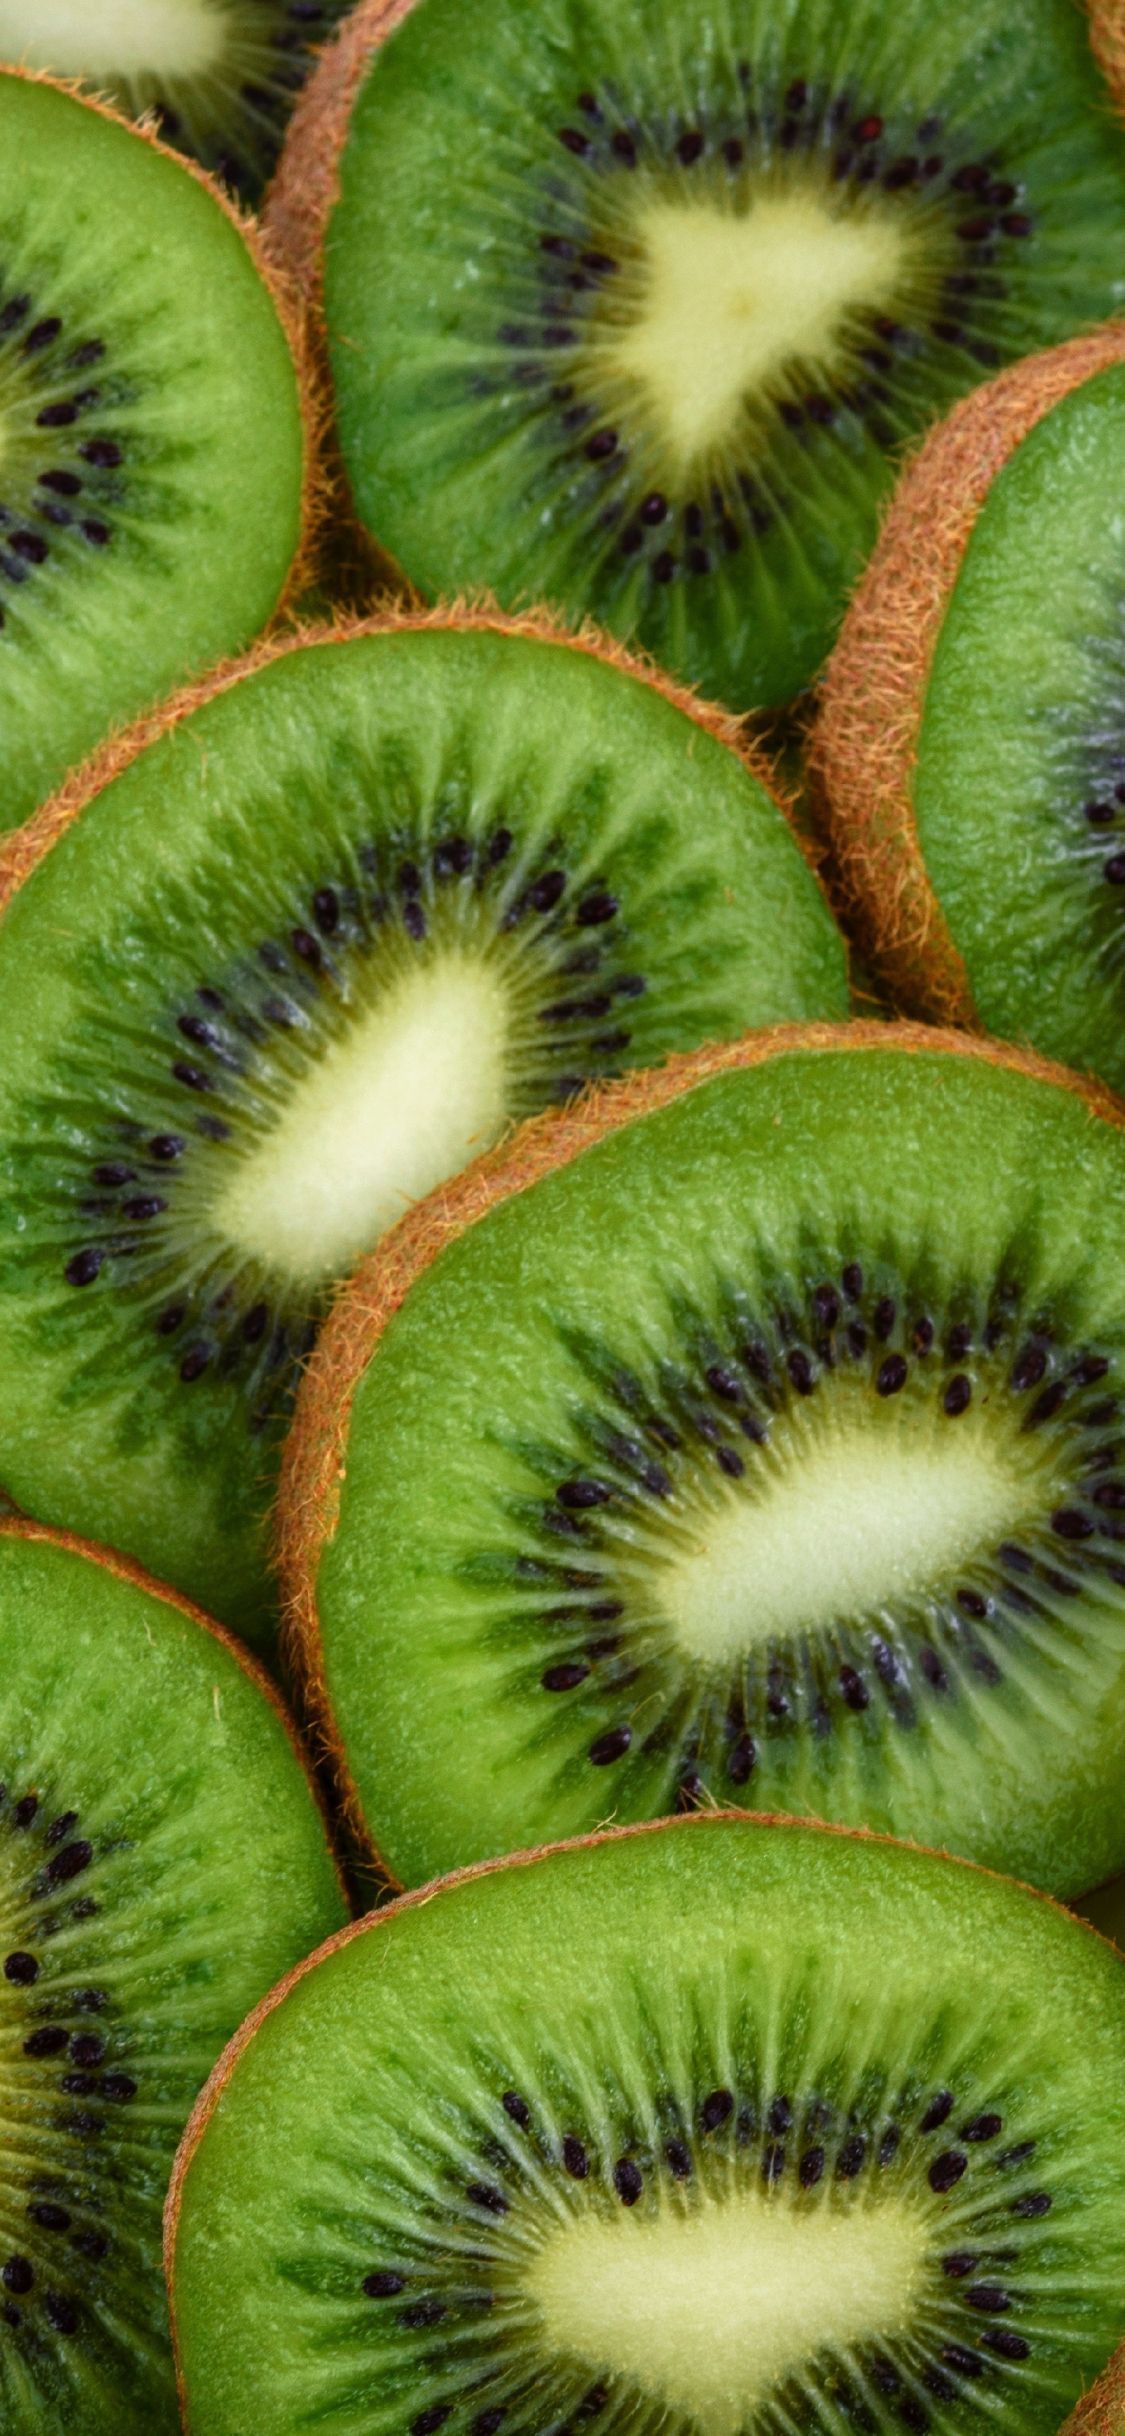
{"x":131,"y":1217}
{"x":950,"y":2150}
{"x":567,"y":299}
{"x":63,"y":2048}
{"x":66,"y":454}
{"x":234,"y":120}
{"x":586,"y":1557}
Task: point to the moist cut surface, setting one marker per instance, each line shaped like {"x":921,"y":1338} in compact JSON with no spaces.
{"x":642,"y":2137}
{"x":793,"y":1478}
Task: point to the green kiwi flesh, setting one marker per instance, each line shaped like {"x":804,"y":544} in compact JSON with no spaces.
{"x":1019,"y":773}
{"x":632,"y":306}
{"x":219,"y":76}
{"x":729,"y":2126}
{"x":326,"y":937}
{"x":787,"y":1472}
{"x":151,"y":441}
{"x":162,"y":1861}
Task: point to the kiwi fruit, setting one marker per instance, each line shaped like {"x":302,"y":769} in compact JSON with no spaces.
{"x":163,"y":1860}
{"x":217,"y":77}
{"x":967,"y":751}
{"x":752,"y":1435}
{"x":332,"y":923}
{"x":630,"y":305}
{"x":154,"y":475}
{"x":709,"y":2126}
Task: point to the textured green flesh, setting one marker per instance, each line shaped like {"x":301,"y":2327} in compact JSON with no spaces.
{"x":1023,"y":735}
{"x":476,"y":411}
{"x":220,"y":78}
{"x":172,"y":368}
{"x":542,"y":1483}
{"x":618,"y":1996}
{"x":190,"y":1870}
{"x":221,"y":841}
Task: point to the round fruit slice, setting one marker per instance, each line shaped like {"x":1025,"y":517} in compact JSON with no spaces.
{"x":219,"y":75}
{"x":726,"y":2126}
{"x":969,"y":748}
{"x":630,"y":304}
{"x":162,"y":1859}
{"x":766,"y":1449}
{"x":329,"y":930}
{"x":152,"y":455}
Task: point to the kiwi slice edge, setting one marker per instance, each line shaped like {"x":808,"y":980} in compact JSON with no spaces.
{"x":872,"y":695}
{"x":314,"y":1457}
{"x":144,"y":1751}
{"x":786,"y":1844}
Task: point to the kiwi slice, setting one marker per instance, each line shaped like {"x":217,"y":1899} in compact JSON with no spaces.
{"x":761,"y":1442}
{"x":710,"y":2127}
{"x":162,"y":1860}
{"x":630,"y":304}
{"x":152,"y":454}
{"x":218,"y":77}
{"x":969,"y":742}
{"x":330,"y":928}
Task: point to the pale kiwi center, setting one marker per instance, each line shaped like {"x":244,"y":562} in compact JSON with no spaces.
{"x":403,"y":1099}
{"x":92,"y":38}
{"x":706,"y":2307}
{"x":727,"y":300}
{"x":858,"y":1511}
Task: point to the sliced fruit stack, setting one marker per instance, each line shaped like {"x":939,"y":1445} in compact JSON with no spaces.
{"x":662,"y":1434}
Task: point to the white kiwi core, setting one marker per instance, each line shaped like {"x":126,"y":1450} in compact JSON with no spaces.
{"x":401,"y":1100}
{"x":111,"y":38}
{"x":725,"y":301}
{"x":859,"y":1510}
{"x":705,"y":2307}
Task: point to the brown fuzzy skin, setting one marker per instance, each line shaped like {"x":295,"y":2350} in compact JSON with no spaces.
{"x":696,"y":1823}
{"x":1107,"y":42}
{"x":25,"y":848}
{"x":1101,"y":2412}
{"x":123,"y":1568}
{"x":275,"y":273}
{"x":314,"y":1459}
{"x":873,"y":694}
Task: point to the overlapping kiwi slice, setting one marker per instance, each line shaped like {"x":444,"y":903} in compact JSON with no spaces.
{"x":724,"y":2126}
{"x":762,"y":1442}
{"x":218,"y":76}
{"x":152,"y":454}
{"x":162,"y":1860}
{"x":971,"y":741}
{"x":328,"y":931}
{"x":630,"y":304}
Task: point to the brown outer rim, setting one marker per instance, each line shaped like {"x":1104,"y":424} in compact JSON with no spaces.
{"x":314,"y":1458}
{"x":1101,"y":2412}
{"x":277,"y":277}
{"x":306,"y":182}
{"x":872,"y":697}
{"x":1107,"y":42}
{"x":124,"y":1569}
{"x":24,"y":848}
{"x":698,"y":1822}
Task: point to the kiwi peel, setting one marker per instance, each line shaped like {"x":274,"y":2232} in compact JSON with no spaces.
{"x":142,"y":446}
{"x":863,"y":748}
{"x":164,"y":1857}
{"x":631,"y":2118}
{"x":616,"y":502}
{"x":353,"y":1505}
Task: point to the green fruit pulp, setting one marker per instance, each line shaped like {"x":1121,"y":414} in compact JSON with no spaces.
{"x":632,"y":307}
{"x":162,"y":1861}
{"x":221,"y":78}
{"x":151,"y":439}
{"x":763,"y":1453}
{"x":1019,"y":785}
{"x":723,"y":2127}
{"x":324,"y":940}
